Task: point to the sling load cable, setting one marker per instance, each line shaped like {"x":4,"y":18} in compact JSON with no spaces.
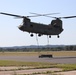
{"x":47,"y":41}
{"x":37,"y":40}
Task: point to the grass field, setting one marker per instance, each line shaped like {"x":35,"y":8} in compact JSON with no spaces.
{"x":54,"y":53}
{"x":38,"y":65}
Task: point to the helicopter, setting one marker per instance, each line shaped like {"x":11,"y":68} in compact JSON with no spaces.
{"x":54,"y":28}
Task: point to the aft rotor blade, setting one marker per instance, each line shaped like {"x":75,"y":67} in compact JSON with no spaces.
{"x":68,"y":17}
{"x":44,"y":14}
{"x":12,"y":15}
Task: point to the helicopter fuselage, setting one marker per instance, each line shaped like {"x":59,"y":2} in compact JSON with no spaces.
{"x":55,"y":28}
{"x":41,"y":29}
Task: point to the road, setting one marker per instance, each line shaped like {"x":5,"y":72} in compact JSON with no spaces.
{"x":62,"y":60}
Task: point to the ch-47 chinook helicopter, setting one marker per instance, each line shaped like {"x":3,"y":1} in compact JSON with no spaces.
{"x":54,"y":28}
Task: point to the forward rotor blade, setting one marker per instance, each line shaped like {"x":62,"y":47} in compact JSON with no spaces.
{"x":17,"y":16}
{"x":12,"y":15}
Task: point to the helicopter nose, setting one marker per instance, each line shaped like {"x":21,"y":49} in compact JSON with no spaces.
{"x":20,"y":27}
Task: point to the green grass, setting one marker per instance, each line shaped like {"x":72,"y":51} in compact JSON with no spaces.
{"x":67,"y":67}
{"x":20,"y":63}
{"x":35,"y":65}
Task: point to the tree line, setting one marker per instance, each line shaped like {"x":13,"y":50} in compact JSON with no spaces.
{"x":59,"y":48}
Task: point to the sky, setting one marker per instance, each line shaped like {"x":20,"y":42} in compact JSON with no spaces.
{"x":10,"y":35}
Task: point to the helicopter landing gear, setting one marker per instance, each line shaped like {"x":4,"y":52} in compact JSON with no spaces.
{"x":49,"y":36}
{"x":31,"y":35}
{"x":39,"y":35}
{"x":58,"y":36}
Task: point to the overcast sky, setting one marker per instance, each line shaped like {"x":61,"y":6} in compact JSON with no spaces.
{"x":10,"y":35}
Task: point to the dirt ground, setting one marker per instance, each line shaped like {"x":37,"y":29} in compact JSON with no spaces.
{"x":5,"y":71}
{"x":67,"y":73}
{"x":26,"y":71}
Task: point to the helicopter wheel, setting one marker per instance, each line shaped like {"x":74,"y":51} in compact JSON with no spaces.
{"x":39,"y":35}
{"x":31,"y":35}
{"x":58,"y":36}
{"x":49,"y":36}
